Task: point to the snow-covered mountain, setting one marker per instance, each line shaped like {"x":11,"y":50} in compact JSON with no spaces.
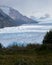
{"x":44,"y":20}
{"x":6,"y":21}
{"x":17,"y":16}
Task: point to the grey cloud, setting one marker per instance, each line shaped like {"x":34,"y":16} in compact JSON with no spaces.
{"x":29,"y":6}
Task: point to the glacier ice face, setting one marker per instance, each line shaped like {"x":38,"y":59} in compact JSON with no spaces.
{"x":23,"y":34}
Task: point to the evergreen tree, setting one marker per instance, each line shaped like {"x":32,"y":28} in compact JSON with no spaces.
{"x":0,"y":45}
{"x":48,"y":38}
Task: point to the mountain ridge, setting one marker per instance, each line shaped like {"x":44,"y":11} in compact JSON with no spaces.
{"x":16,"y":15}
{"x":5,"y":20}
{"x":9,"y":21}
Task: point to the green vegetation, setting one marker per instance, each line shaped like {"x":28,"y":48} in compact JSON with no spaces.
{"x":48,"y":38}
{"x":32,"y":54}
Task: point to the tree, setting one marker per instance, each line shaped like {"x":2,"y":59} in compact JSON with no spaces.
{"x":48,"y":38}
{"x":1,"y":46}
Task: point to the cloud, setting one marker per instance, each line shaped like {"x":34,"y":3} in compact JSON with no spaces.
{"x":26,"y":7}
{"x":45,"y":16}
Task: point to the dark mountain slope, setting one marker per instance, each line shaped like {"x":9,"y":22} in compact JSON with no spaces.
{"x":6,"y":21}
{"x":17,"y":16}
{"x":14,"y":18}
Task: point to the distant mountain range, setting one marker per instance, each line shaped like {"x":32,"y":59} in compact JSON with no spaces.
{"x":13,"y":18}
{"x":43,"y":20}
{"x":46,"y":18}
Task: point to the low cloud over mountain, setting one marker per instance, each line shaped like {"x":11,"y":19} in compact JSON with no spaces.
{"x":41,"y":18}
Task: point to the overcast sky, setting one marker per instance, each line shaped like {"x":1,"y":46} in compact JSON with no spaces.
{"x":30,"y":7}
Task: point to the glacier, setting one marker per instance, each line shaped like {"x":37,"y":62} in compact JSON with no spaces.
{"x":23,"y":34}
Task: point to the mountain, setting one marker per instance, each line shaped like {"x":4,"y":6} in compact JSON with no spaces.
{"x":14,"y":14}
{"x":34,"y":18}
{"x":43,"y":18}
{"x":17,"y":16}
{"x":5,"y":20}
